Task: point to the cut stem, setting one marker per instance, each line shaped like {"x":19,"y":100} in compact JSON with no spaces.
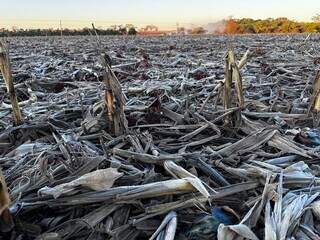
{"x":227,"y":84}
{"x":5,"y":69}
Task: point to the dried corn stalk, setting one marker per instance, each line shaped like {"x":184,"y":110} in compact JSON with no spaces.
{"x":167,"y":228}
{"x":5,"y":69}
{"x":314,"y":105}
{"x":245,"y":58}
{"x":232,"y":72}
{"x":114,"y":101}
{"x":4,"y":195}
{"x":179,"y":172}
{"x":316,"y":208}
{"x":113,"y":98}
{"x":6,"y":221}
{"x":227,"y":84}
{"x":238,"y":82}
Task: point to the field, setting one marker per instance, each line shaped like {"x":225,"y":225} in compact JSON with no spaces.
{"x":205,"y":130}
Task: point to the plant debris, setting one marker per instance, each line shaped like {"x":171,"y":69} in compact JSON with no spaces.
{"x":208,"y":137}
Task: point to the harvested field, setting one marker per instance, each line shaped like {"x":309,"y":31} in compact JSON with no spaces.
{"x":209,"y":137}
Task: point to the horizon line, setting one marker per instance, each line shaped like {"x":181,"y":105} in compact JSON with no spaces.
{"x":107,"y":24}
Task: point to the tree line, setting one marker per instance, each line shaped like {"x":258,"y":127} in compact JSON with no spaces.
{"x":270,"y":25}
{"x":229,"y":26}
{"x":117,"y":30}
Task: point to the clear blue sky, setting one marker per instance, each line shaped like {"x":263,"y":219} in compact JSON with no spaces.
{"x":164,"y":13}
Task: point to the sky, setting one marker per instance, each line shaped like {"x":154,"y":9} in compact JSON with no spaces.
{"x":163,"y":13}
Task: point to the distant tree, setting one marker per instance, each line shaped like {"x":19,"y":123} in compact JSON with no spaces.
{"x":231,"y":27}
{"x":248,"y":28}
{"x":132,"y":31}
{"x":122,"y":30}
{"x":128,"y":26}
{"x":316,"y":18}
{"x":198,"y":30}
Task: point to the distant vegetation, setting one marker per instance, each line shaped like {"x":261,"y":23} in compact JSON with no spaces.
{"x":229,"y":26}
{"x":116,"y":30}
{"x":270,"y":25}
{"x":197,"y":30}
{"x":316,"y":18}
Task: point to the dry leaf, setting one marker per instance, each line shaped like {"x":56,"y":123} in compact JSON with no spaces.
{"x":235,"y":232}
{"x":98,"y":180}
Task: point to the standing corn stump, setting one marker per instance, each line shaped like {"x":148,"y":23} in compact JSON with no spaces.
{"x":232,"y":73}
{"x":114,"y":101}
{"x":314,"y":105}
{"x":113,"y":97}
{"x":5,"y":69}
